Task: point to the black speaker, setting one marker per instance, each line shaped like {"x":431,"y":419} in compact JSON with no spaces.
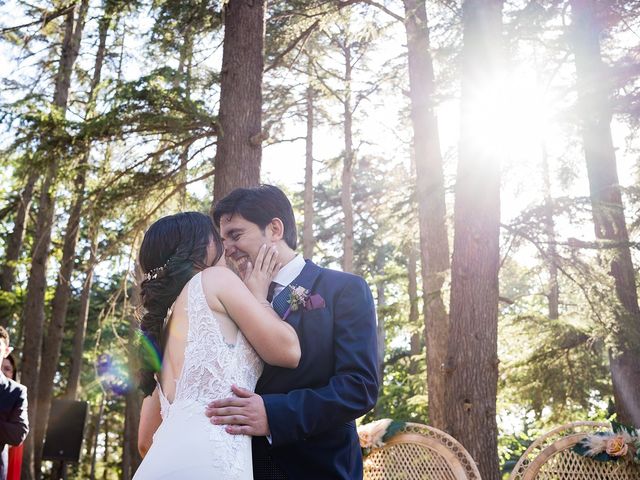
{"x":65,"y":430}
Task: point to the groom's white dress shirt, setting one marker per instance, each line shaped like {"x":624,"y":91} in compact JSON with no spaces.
{"x":288,"y":274}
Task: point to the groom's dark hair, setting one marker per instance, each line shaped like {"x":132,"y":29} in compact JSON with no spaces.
{"x":260,"y":205}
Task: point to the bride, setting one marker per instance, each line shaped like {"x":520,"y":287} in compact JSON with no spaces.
{"x":211,"y":331}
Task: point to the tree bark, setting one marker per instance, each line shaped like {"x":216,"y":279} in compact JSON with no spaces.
{"x":130,"y":456}
{"x":79,"y":333}
{"x":606,"y":201}
{"x":96,"y":436}
{"x":184,"y":71}
{"x":472,"y":360}
{"x":412,"y":290}
{"x":60,"y":304}
{"x":33,"y":313}
{"x":381,"y":304}
{"x":239,"y":150}
{"x":107,"y":447}
{"x":14,"y":243}
{"x":434,"y":242}
{"x":308,"y":241}
{"x":347,"y":166}
{"x":553,"y":294}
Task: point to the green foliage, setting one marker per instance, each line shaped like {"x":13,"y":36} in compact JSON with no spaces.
{"x":151,"y":105}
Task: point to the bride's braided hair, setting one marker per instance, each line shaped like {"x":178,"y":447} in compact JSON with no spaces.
{"x":173,"y":250}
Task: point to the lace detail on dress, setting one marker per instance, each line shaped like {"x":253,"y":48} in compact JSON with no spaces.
{"x":210,"y":367}
{"x":164,"y":403}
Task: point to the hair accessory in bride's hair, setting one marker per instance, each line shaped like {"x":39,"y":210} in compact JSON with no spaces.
{"x":154,"y":272}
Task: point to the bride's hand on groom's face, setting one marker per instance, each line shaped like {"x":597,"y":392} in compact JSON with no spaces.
{"x":258,"y":277}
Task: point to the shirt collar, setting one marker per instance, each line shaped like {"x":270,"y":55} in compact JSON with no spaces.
{"x":290,"y":271}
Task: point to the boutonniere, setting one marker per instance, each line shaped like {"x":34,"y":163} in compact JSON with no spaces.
{"x":301,"y":297}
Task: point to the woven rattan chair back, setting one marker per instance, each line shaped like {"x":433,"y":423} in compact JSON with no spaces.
{"x":420,"y":452}
{"x":551,"y":457}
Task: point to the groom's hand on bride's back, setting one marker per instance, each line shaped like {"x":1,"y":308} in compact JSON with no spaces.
{"x":243,"y":414}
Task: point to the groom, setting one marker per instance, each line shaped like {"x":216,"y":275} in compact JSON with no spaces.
{"x":302,"y":420}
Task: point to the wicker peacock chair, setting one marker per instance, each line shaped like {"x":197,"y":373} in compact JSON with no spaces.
{"x":420,"y":452}
{"x":551,"y":457}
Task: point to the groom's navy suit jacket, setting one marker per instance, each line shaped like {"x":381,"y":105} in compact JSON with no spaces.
{"x":311,"y":409}
{"x":14,"y":424}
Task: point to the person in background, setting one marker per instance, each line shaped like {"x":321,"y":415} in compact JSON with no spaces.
{"x":12,"y":455}
{"x":9,"y":367}
{"x":14,"y":424}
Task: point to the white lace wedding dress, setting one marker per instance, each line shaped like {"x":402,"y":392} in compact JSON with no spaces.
{"x":187,"y":445}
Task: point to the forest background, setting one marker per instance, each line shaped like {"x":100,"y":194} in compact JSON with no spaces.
{"x":477,"y":162}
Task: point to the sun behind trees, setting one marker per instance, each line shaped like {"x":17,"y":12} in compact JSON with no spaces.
{"x":473,"y":161}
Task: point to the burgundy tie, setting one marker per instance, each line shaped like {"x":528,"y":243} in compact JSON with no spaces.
{"x":272,"y":288}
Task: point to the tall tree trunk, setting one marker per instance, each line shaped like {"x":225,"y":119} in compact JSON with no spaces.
{"x":381,"y":303}
{"x":14,"y":243}
{"x":130,"y":456}
{"x":239,"y":150}
{"x":79,"y":333}
{"x":55,"y":333}
{"x":308,"y":241}
{"x":434,"y":242}
{"x":593,"y":84}
{"x":471,"y":369}
{"x":347,"y":166}
{"x":60,"y":304}
{"x":412,"y":289}
{"x":83,"y":468}
{"x":553,"y":294}
{"x":33,"y":313}
{"x":96,"y":436}
{"x":107,"y":446}
{"x":184,"y":72}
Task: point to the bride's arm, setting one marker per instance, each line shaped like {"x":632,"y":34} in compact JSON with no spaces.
{"x":274,"y":339}
{"x":150,"y":420}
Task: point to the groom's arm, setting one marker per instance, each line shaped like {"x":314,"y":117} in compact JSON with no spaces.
{"x":350,"y":393}
{"x":352,"y":390}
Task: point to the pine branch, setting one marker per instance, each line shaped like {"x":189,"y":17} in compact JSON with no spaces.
{"x":344,"y":3}
{"x":44,"y":18}
{"x":301,"y":38}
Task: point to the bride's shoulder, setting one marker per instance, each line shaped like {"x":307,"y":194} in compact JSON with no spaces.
{"x":218,"y":274}
{"x":215,"y":281}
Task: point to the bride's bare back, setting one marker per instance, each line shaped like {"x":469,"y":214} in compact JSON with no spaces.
{"x":176,"y":335}
{"x":205,"y":354}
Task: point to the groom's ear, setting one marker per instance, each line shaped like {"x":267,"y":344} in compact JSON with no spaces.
{"x":276,"y":229}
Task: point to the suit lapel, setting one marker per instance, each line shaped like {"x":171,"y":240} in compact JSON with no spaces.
{"x":308,"y":276}
{"x":307,"y":280}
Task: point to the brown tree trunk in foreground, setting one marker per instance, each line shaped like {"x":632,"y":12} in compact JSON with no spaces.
{"x":308,"y":241}
{"x":471,"y":369}
{"x":239,"y":151}
{"x":33,"y":314}
{"x":607,"y":207}
{"x":434,"y":242}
